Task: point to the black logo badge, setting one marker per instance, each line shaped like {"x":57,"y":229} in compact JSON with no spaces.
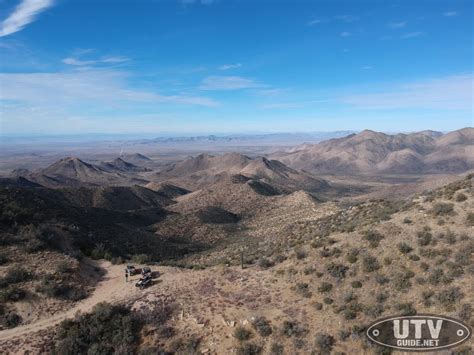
{"x":423,"y":332}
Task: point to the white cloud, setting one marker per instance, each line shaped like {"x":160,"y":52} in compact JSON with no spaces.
{"x":412,"y":34}
{"x":450,"y":13}
{"x":25,"y":13}
{"x":103,"y":60}
{"x":315,"y":22}
{"x":397,"y":24}
{"x":345,"y":34}
{"x":229,"y":66}
{"x":453,"y":92}
{"x":84,"y":86}
{"x":228,"y":83}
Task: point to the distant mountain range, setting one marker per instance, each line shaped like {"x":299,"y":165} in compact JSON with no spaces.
{"x":372,"y":152}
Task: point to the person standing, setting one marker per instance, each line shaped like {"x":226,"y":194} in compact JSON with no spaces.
{"x":126,"y":275}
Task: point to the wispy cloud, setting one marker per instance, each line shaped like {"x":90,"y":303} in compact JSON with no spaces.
{"x":216,"y":82}
{"x":229,"y":66}
{"x":396,"y":25}
{"x":103,"y":60}
{"x":412,"y":35}
{"x":315,"y":22}
{"x":291,"y":105}
{"x":105,"y":86}
{"x":346,"y":18}
{"x":453,"y":93}
{"x":450,"y":13}
{"x":25,"y":13}
{"x":345,"y":34}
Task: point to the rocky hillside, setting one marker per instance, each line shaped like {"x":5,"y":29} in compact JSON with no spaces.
{"x":372,"y":152}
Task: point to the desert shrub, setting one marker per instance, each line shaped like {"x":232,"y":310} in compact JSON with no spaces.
{"x":64,"y":267}
{"x":470,"y":219}
{"x":427,"y":295}
{"x":352,"y":255}
{"x":325,"y":342}
{"x":387,"y":260}
{"x":264,"y":263}
{"x":290,"y":329}
{"x":117,"y":260}
{"x":249,"y":349}
{"x":424,"y":237}
{"x":407,"y":220}
{"x":373,"y":311}
{"x":242,"y":333}
{"x":356,"y":284}
{"x":370,"y":263}
{"x":373,"y":238}
{"x":12,"y":294}
{"x":454,"y":270}
{"x":381,"y":297}
{"x":450,"y":296}
{"x":464,"y":256}
{"x":141,"y":258}
{"x":302,"y":288}
{"x":381,"y":279}
{"x":404,"y":248}
{"x":401,"y":281}
{"x":406,"y":308}
{"x":3,"y":259}
{"x":414,"y":257}
{"x":465,"y":313}
{"x":277,"y":349}
{"x":107,"y":329}
{"x":442,"y":209}
{"x":325,"y":287}
{"x":344,"y":334}
{"x":337,"y":270}
{"x":424,"y":266}
{"x":318,"y":306}
{"x":437,"y":277}
{"x":186,"y":345}
{"x":9,"y":319}
{"x":460,"y":197}
{"x":301,"y":254}
{"x":328,"y":300}
{"x":52,"y":288}
{"x":262,"y":326}
{"x":15,"y":274}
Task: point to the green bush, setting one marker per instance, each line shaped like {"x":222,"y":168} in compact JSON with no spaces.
{"x":370,"y":263}
{"x":460,"y":197}
{"x":352,"y":255}
{"x":249,"y":349}
{"x":337,"y":270}
{"x":442,"y":209}
{"x":424,"y":237}
{"x":108,"y":329}
{"x":242,"y":333}
{"x":373,"y":238}
{"x":141,"y":258}
{"x":12,"y":294}
{"x":356,"y":284}
{"x":9,"y":319}
{"x":406,"y":308}
{"x":325,"y":287}
{"x":470,"y":219}
{"x":3,"y":259}
{"x":15,"y":274}
{"x":264,"y":263}
{"x":324,"y":342}
{"x":262,"y":326}
{"x":292,"y":329}
{"x":404,"y":248}
{"x":450,"y":296}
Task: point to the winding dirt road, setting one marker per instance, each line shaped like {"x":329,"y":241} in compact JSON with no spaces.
{"x":110,"y":289}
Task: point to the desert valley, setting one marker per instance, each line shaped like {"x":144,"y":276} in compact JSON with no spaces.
{"x":282,"y":247}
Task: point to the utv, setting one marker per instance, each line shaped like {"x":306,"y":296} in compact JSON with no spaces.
{"x":132,"y":270}
{"x":145,"y":281}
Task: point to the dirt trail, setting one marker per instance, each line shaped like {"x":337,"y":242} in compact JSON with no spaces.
{"x":110,"y":289}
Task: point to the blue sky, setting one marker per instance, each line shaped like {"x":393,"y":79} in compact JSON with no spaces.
{"x":203,"y":66}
